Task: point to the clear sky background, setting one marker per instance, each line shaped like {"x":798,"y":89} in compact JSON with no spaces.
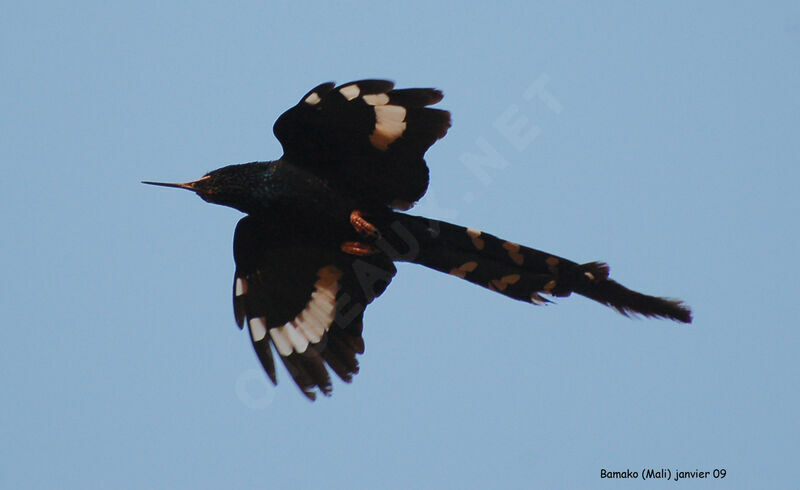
{"x":661,"y":139}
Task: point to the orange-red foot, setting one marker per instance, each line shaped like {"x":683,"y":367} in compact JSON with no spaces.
{"x":358,"y":248}
{"x":363,"y":226}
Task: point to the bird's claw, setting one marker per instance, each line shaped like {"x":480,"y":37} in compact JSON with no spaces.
{"x":359,"y":248}
{"x":362,"y":226}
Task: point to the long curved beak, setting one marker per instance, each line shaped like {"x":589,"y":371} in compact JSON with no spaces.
{"x":184,"y":185}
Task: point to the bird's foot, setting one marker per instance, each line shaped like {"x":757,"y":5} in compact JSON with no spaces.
{"x":358,"y":248}
{"x":362,"y":226}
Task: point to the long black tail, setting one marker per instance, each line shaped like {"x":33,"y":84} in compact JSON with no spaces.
{"x":516,"y":271}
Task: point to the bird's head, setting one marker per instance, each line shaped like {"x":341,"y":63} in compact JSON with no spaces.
{"x":229,"y":186}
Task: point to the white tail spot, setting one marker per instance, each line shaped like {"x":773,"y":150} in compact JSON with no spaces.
{"x":502,"y":283}
{"x":475,"y":235}
{"x":462,"y":270}
{"x":513,"y":252}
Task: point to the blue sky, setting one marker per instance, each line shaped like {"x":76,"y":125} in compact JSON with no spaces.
{"x":661,"y":139}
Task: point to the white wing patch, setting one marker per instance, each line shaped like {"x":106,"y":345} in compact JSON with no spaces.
{"x":241,"y":286}
{"x":287,"y":339}
{"x":281,"y":341}
{"x":310,"y":325}
{"x":311,"y":328}
{"x":389,"y":125}
{"x":312,"y":99}
{"x":376,"y":99}
{"x":350,"y":92}
{"x":393,"y":113}
{"x":258,"y":328}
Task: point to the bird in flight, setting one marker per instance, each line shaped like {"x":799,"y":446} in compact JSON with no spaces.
{"x":324,"y":226}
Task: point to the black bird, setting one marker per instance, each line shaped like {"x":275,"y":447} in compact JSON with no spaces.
{"x":323,"y":229}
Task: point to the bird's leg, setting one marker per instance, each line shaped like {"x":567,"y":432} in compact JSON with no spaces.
{"x":365,"y":229}
{"x":358,"y":248}
{"x":362,"y":226}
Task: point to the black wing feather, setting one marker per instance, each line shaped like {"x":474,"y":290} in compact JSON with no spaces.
{"x":304,"y":299}
{"x":373,"y":136}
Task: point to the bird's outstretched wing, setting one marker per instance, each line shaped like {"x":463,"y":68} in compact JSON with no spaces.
{"x":368,"y":135}
{"x":305,"y":300}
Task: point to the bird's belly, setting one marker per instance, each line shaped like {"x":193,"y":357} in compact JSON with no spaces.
{"x":314,"y":213}
{"x":306,"y":204}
